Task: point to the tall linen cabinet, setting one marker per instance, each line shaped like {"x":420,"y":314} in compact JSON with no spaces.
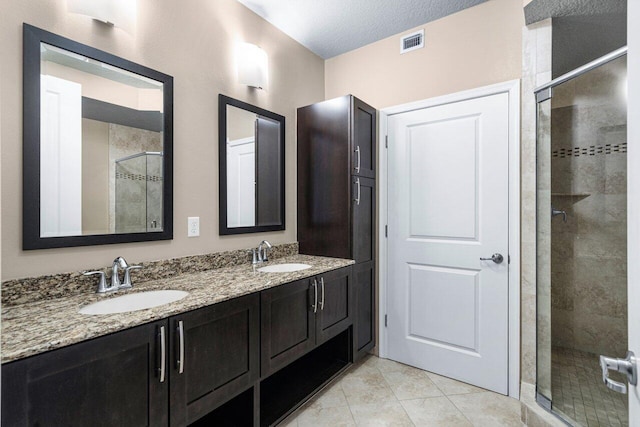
{"x":336,"y":197}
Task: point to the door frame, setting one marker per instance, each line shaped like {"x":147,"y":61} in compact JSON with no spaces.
{"x":633,"y":196}
{"x":512,"y":88}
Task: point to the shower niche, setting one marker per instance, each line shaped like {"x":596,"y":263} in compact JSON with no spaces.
{"x":581,"y":241}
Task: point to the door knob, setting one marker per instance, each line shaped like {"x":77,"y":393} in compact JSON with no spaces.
{"x":497,"y":258}
{"x":626,"y":366}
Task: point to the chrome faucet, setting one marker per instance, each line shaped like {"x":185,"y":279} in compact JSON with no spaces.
{"x":115,"y":277}
{"x":118,"y":263}
{"x":260,"y":254}
{"x":263,"y":252}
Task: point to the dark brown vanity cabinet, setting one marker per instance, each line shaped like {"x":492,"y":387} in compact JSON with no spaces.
{"x":214,"y":356}
{"x":337,"y":193}
{"x":114,"y":380}
{"x":298,"y":316}
{"x":170,"y":372}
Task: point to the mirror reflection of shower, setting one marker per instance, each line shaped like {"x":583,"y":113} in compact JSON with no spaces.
{"x":138,"y":192}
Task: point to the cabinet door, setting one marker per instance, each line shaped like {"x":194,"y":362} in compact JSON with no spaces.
{"x":363,"y":139}
{"x":335,"y":304}
{"x":288,"y":324}
{"x":364,"y":330}
{"x":364,"y":198}
{"x":108,"y":381}
{"x":324,"y":173}
{"x":221,"y":356}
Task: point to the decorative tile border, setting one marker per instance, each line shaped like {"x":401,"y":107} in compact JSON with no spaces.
{"x":592,"y":150}
{"x":31,"y":289}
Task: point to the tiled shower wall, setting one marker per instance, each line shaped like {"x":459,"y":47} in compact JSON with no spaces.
{"x":588,"y":252}
{"x":536,"y":70}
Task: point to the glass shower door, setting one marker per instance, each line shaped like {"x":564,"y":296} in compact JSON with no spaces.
{"x":581,"y":245}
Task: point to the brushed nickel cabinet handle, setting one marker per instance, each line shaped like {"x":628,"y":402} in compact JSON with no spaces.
{"x":358,"y":162}
{"x":322,"y":297}
{"x":357,"y":200}
{"x":180,"y":361}
{"x":315,"y":296}
{"x":163,"y":354}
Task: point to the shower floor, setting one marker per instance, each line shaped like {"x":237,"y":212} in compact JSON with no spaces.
{"x":579,"y":394}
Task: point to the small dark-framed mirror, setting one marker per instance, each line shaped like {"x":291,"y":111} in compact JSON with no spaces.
{"x":251,"y":157}
{"x":97,"y":146}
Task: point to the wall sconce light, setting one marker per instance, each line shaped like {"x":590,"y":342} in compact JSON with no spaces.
{"x":253,"y":66}
{"x":119,"y":13}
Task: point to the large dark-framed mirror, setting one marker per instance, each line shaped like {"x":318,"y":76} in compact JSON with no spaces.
{"x":97,"y":146}
{"x":251,"y":157}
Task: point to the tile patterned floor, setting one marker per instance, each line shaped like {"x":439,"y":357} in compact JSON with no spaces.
{"x":380,"y":392}
{"x":577,"y":390}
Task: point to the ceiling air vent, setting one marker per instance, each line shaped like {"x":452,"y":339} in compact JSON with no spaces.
{"x":412,"y":41}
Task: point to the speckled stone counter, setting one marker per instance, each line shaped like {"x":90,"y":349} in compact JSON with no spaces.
{"x":40,"y":325}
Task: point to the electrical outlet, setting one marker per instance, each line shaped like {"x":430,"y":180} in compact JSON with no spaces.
{"x":193,"y":224}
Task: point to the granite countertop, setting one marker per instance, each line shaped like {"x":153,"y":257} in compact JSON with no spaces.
{"x":36,"y":327}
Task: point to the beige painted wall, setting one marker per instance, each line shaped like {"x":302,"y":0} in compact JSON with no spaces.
{"x":475,"y":47}
{"x":193,"y":42}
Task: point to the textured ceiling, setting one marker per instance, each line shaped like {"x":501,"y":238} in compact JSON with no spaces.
{"x":332,"y":27}
{"x":538,"y":10}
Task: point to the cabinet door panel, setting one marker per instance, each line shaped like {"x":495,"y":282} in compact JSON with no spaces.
{"x":220,"y":358}
{"x":287,"y":324}
{"x":335,"y":315}
{"x":364,"y":322}
{"x":324,"y":173}
{"x":364,"y":139}
{"x":107,"y":381}
{"x":364,"y":219}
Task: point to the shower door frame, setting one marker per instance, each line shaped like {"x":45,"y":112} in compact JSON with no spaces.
{"x":633,"y":192}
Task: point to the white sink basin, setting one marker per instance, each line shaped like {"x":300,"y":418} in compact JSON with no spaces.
{"x":133,"y":302}
{"x":283,"y":268}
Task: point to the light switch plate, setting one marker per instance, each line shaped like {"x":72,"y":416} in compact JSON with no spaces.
{"x":193,"y":226}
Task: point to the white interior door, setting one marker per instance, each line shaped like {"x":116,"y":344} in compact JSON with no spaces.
{"x":241,"y":183}
{"x":448,"y":206}
{"x":61,"y":157}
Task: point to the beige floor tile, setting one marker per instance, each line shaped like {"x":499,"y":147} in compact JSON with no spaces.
{"x":390,"y":414}
{"x":365,"y":385}
{"x":367,"y":366}
{"x":386,"y":365}
{"x":358,"y":393}
{"x":450,"y":386}
{"x":411,"y":384}
{"x":329,"y":417}
{"x":488,"y":409}
{"x":435,"y":412}
{"x":332,"y":397}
